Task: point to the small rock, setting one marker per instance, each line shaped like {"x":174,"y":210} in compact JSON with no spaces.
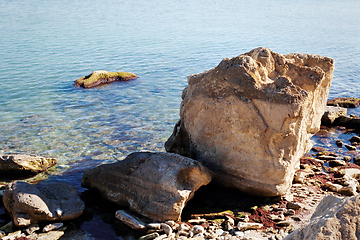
{"x":248,"y":226}
{"x":355,"y":139}
{"x":290,"y":212}
{"x":277,"y":218}
{"x":277,"y":209}
{"x":198,"y":229}
{"x":52,"y":226}
{"x":337,"y":163}
{"x":326,"y":158}
{"x":171,"y":223}
{"x":293,"y":205}
{"x":318,"y":149}
{"x":130,"y":220}
{"x":296,"y":219}
{"x":347,"y":158}
{"x":167,"y":229}
{"x":283,"y":224}
{"x":356,"y":159}
{"x":149,"y":236}
{"x":339,"y":143}
{"x":349,"y":147}
{"x":2,"y":233}
{"x":156,"y":226}
{"x":32,"y":228}
{"x":197,"y":221}
{"x":184,"y":227}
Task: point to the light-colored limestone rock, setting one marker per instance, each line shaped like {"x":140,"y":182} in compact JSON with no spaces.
{"x":250,"y":119}
{"x":156,"y":185}
{"x":28,"y":204}
{"x":332,"y":114}
{"x":334,"y":218}
{"x":17,"y":165}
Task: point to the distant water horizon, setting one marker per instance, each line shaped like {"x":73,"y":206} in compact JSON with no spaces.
{"x":46,"y":45}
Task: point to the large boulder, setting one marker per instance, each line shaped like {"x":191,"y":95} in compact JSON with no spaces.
{"x":102,"y":77}
{"x":18,"y":165}
{"x":250,"y":119}
{"x":156,"y":185}
{"x":28,"y":204}
{"x":334,"y":218}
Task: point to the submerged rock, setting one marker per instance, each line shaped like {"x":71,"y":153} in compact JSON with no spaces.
{"x":14,"y":166}
{"x":28,"y":204}
{"x":250,"y":119}
{"x":102,"y":77}
{"x":156,"y":185}
{"x":334,"y":218}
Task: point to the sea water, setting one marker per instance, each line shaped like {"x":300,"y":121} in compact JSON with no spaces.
{"x":45,"y":45}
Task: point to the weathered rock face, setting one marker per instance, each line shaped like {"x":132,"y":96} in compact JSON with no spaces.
{"x":28,"y":204}
{"x":334,"y":218}
{"x":250,"y":119}
{"x":102,"y":77}
{"x":156,"y":185}
{"x":24,"y":165}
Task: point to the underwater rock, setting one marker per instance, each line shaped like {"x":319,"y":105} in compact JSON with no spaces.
{"x":102,"y":77}
{"x":28,"y":204}
{"x":156,"y":185}
{"x":250,"y":119}
{"x":13,"y":166}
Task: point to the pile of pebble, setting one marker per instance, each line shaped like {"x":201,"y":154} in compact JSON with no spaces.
{"x":219,"y":229}
{"x":51,"y":231}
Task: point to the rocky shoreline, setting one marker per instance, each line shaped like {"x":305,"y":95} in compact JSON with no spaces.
{"x":244,"y":128}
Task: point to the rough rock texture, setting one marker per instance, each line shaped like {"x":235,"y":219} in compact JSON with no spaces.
{"x":332,"y":115}
{"x":334,"y":218}
{"x":102,"y":77}
{"x":346,"y":102}
{"x":28,"y":204}
{"x":156,"y":185}
{"x":24,"y":165}
{"x":250,"y":119}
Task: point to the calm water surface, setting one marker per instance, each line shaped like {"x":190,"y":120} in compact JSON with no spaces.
{"x":46,"y":45}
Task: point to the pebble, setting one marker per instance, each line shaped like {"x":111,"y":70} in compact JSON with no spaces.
{"x":349,"y":147}
{"x":290,"y":212}
{"x":130,"y":220}
{"x":198,"y":229}
{"x":355,"y":139}
{"x":52,"y":226}
{"x":283,"y":224}
{"x":248,"y":226}
{"x":32,"y":228}
{"x":149,"y":236}
{"x":156,"y":226}
{"x":339,"y":143}
{"x":293,"y":205}
{"x":167,"y":229}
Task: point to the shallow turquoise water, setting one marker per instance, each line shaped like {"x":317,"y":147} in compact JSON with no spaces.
{"x":46,"y":45}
